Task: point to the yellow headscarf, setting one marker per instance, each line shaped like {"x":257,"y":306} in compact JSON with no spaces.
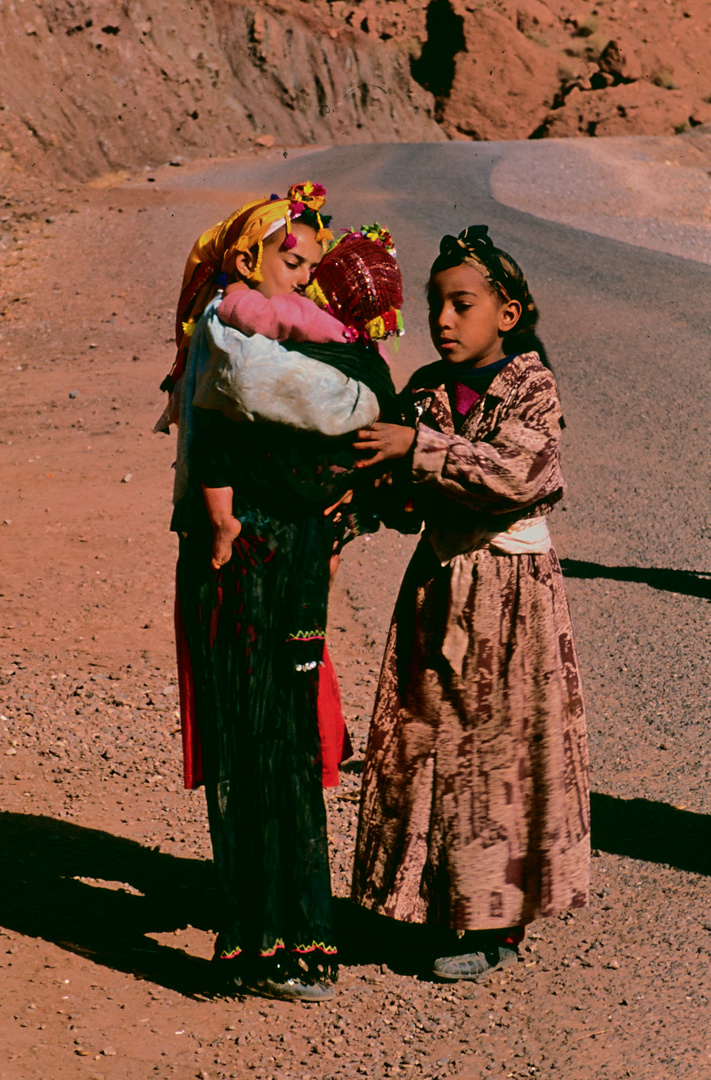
{"x":215,"y":253}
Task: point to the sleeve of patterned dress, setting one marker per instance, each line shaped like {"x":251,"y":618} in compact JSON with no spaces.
{"x":516,"y":465}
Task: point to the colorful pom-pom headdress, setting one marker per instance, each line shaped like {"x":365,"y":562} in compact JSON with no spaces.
{"x":359,"y":281}
{"x":214,"y":254}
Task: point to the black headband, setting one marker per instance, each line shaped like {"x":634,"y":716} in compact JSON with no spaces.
{"x":475,"y":247}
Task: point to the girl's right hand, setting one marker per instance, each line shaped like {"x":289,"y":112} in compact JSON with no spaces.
{"x":387,"y":441}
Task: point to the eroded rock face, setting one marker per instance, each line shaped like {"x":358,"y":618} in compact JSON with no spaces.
{"x":503,"y":83}
{"x":307,"y":85}
{"x":627,"y":109}
{"x":88,"y":86}
{"x":520,"y":61}
{"x":619,"y":59}
{"x":532,"y":16}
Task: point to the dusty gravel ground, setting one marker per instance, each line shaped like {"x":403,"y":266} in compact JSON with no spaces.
{"x":653,"y":191}
{"x":106,"y":901}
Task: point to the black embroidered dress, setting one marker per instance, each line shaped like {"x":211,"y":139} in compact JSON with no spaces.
{"x":255,"y":634}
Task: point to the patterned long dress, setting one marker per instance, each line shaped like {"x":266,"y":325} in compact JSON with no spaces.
{"x":475,"y":803}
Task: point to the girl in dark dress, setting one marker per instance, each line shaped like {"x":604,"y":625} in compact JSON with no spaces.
{"x":255,"y":635}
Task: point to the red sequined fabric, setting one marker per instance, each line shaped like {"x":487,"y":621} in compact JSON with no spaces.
{"x":360,"y":280}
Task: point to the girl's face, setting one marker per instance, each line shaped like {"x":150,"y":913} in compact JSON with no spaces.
{"x":285,"y":270}
{"x":467,"y":318}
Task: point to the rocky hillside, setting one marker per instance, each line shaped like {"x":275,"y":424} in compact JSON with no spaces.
{"x":90,"y":86}
{"x":534,"y":68}
{"x":95,"y":85}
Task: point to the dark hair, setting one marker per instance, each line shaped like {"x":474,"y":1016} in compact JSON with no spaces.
{"x":505,"y":277}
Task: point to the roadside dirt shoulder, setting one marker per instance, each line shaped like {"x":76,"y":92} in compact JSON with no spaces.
{"x":653,"y":191}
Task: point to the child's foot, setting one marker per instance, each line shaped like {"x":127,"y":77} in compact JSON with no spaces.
{"x":223,"y":536}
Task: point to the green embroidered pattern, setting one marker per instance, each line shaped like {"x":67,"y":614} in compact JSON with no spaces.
{"x":317,"y":634}
{"x":329,"y":950}
{"x":230,"y":955}
{"x":278,"y":944}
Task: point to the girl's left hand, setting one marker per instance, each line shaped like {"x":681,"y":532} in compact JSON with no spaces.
{"x":386,"y":441}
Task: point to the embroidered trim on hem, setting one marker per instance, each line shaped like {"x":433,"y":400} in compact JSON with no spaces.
{"x":329,"y":950}
{"x":315,"y":946}
{"x":278,"y":944}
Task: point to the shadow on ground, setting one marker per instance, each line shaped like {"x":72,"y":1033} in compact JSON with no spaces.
{"x":636,"y":828}
{"x":652,"y":831}
{"x":686,"y":582}
{"x":354,"y":766}
{"x":43,"y":859}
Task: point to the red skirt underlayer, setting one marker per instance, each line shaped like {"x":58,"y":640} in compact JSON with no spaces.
{"x":335,"y":741}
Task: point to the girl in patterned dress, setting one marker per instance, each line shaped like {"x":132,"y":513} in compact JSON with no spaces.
{"x":475,"y":808}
